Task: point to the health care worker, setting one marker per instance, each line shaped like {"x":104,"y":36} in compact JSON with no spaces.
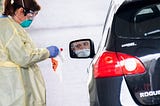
{"x":21,"y":82}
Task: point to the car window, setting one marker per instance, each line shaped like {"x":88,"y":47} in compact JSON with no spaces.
{"x":138,"y":22}
{"x":158,"y":6}
{"x":145,"y":11}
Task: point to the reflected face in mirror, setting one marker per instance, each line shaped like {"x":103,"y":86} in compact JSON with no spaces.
{"x":81,"y":48}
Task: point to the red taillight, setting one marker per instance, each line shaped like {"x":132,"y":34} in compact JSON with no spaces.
{"x":112,"y":64}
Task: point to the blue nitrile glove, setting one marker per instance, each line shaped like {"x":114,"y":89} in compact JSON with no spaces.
{"x":53,"y":50}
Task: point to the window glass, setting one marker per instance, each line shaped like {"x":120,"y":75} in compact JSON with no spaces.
{"x":139,"y":22}
{"x":145,"y":11}
{"x":158,"y":6}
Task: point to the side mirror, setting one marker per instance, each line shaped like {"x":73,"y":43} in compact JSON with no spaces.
{"x":83,"y":48}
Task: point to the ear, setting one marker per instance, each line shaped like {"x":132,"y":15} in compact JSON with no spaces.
{"x":20,"y":11}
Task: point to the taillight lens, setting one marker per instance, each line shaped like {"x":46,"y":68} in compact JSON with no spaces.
{"x":112,"y":64}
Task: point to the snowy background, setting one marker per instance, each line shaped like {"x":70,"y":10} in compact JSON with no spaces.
{"x":58,"y":23}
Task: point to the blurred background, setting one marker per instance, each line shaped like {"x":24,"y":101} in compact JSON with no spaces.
{"x":0,"y":5}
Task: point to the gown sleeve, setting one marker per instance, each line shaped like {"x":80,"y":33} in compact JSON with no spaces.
{"x":22,"y":51}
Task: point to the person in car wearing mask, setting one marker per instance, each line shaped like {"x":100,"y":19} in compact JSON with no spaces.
{"x":21,"y":82}
{"x":81,"y":48}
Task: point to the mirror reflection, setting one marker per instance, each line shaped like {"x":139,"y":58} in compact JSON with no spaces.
{"x":81,"y":48}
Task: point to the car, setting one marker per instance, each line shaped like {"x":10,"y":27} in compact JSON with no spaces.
{"x":125,"y":70}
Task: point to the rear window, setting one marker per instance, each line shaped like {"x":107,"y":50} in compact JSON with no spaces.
{"x":138,"y":22}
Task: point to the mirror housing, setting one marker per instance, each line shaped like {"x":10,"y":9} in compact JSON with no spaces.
{"x":82,"y":48}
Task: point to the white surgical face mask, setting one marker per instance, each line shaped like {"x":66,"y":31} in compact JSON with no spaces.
{"x":82,"y":53}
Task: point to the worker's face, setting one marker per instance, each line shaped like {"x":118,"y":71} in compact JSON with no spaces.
{"x":21,"y":14}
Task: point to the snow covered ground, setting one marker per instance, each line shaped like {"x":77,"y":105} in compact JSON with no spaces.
{"x":58,"y":23}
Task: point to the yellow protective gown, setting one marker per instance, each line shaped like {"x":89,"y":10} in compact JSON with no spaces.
{"x":21,"y":82}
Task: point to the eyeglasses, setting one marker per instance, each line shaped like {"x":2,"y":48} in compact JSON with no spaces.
{"x":30,"y":14}
{"x":27,"y":11}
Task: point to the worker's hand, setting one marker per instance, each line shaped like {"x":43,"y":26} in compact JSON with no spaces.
{"x":53,"y":50}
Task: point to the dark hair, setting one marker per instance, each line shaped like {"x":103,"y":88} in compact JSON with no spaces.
{"x":10,"y":8}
